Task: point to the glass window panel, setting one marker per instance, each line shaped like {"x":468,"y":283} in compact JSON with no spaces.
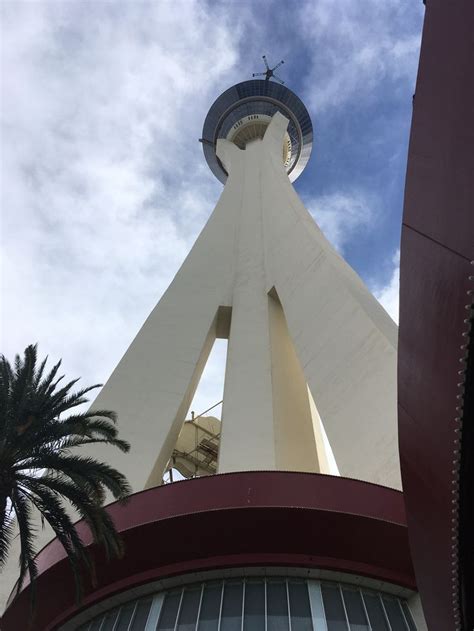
{"x":169,"y":611}
{"x":355,"y":610}
{"x":277,"y":606}
{"x":375,"y":611}
{"x":408,"y":616}
{"x":141,"y":614}
{"x":96,"y":624}
{"x":394,"y":613}
{"x":334,"y":609}
{"x":125,"y":615}
{"x":300,"y":610}
{"x":232,"y":607}
{"x":189,"y":609}
{"x":210,"y":607}
{"x":254,"y":608}
{"x":317,"y":608}
{"x":110,"y":620}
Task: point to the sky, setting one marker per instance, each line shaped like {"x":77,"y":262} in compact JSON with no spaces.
{"x":104,"y":185}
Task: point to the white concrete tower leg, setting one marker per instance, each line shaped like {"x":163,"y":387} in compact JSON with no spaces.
{"x":266,"y":420}
{"x":294,"y":430}
{"x":247,"y":437}
{"x":154,"y":383}
{"x":344,"y":339}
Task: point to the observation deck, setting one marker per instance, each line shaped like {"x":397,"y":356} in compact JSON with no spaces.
{"x":243,"y":112}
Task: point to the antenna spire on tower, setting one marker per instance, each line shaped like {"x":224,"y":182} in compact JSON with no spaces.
{"x":269,"y":72}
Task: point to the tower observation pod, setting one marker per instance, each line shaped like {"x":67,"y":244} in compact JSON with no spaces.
{"x":260,"y":536}
{"x":243,"y":113}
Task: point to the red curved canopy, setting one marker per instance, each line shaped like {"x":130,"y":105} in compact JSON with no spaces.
{"x":234,"y":520}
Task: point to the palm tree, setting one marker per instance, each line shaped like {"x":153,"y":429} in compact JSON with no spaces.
{"x":41,"y":469}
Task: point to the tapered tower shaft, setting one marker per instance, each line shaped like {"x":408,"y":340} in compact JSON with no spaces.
{"x":299,"y":316}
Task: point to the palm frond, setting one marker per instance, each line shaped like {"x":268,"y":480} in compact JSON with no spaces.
{"x":86,"y":467}
{"x":55,"y":513}
{"x":99,"y":522}
{"x":77,"y":441}
{"x":39,"y":373}
{"x":47,"y":381}
{"x":7,"y":530}
{"x":27,"y":534}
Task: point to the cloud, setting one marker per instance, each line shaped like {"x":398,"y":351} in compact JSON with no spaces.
{"x":105,"y":187}
{"x":360,"y":45}
{"x":342,"y":215}
{"x":388,"y":295}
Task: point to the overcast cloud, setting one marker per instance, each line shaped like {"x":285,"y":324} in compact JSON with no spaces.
{"x":104,"y":184}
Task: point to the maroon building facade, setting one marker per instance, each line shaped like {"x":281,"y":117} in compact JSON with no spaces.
{"x":436,"y":295}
